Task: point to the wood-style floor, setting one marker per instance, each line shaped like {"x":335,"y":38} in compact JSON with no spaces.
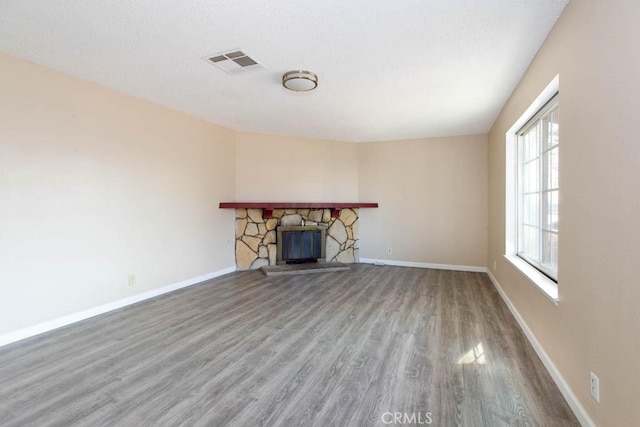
{"x":335,"y":349}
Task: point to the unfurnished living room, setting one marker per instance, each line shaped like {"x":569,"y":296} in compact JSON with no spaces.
{"x":323,"y":213}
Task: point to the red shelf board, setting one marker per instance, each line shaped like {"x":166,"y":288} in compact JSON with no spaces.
{"x":295,"y":205}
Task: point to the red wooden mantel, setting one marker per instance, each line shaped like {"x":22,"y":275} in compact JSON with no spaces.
{"x":270,"y":206}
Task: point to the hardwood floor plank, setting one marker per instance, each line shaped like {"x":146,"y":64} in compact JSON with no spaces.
{"x":388,"y":381}
{"x":477,"y":412}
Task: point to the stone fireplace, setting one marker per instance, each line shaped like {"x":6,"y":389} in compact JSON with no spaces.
{"x":256,"y":236}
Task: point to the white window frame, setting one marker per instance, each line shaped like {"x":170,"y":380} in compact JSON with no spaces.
{"x":547,"y":285}
{"x":543,"y":186}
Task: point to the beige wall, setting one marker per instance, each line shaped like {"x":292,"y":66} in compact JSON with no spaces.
{"x":96,"y":185}
{"x":596,"y":325}
{"x":433,"y":200}
{"x":285,"y":169}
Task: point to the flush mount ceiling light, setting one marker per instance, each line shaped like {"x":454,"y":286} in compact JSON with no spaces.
{"x":300,"y":81}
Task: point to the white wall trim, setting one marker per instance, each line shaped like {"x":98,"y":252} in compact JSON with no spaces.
{"x":423,"y":265}
{"x":566,"y":391}
{"x":50,"y":325}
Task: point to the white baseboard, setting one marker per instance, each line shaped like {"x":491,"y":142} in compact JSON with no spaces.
{"x":85,"y":314}
{"x":423,"y":265}
{"x":570,"y":397}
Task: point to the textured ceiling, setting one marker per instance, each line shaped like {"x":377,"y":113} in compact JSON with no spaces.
{"x":387,"y":69}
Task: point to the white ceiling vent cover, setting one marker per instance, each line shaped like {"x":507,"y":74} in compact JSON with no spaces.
{"x":234,"y":61}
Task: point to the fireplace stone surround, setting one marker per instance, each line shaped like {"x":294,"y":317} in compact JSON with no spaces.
{"x":256,"y":237}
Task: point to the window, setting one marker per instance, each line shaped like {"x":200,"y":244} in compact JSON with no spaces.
{"x":531,"y":191}
{"x":537,"y":188}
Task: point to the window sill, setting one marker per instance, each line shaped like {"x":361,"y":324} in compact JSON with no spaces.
{"x":548,"y":287}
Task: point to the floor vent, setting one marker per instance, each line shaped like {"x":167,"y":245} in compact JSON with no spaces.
{"x":234,"y":61}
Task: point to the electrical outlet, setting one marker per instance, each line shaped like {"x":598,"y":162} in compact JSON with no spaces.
{"x":132,"y":279}
{"x":595,"y":387}
{"x":389,"y":250}
{"x":494,"y":265}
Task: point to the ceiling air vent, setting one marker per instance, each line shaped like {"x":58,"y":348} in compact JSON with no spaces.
{"x":234,"y":61}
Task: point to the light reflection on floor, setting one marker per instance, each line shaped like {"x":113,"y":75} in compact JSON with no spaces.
{"x":475,"y":356}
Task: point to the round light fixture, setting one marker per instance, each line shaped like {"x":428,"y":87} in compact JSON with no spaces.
{"x":300,"y":81}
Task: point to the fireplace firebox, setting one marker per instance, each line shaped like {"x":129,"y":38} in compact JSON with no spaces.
{"x":301,"y":244}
